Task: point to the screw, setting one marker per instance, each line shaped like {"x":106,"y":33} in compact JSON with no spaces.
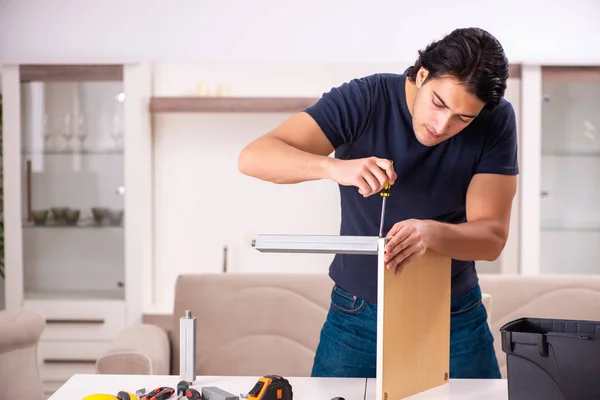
{"x":385,"y":396}
{"x":445,"y":376}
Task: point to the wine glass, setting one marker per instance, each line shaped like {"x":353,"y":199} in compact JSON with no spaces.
{"x":67,"y":131}
{"x":82,"y":132}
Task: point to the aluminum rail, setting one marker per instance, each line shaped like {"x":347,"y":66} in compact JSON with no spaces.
{"x":319,"y":244}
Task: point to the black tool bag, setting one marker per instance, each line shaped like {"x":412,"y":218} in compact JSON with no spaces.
{"x":552,"y":359}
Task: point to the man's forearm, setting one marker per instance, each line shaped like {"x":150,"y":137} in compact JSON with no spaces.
{"x":472,"y":241}
{"x":273,"y":160}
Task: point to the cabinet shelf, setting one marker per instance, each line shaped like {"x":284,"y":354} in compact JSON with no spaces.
{"x":81,"y":224}
{"x":65,"y":294}
{"x":590,"y":154}
{"x":72,"y":152}
{"x":564,"y":226}
{"x":230,"y":104}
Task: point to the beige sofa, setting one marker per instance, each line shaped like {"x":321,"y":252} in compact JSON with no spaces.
{"x":233,"y":310}
{"x":20,"y":331}
{"x":546,"y":296}
{"x":246,"y":324}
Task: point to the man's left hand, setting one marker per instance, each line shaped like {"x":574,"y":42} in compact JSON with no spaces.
{"x":408,"y":241}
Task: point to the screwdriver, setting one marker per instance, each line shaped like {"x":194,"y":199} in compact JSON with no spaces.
{"x":163,"y":395}
{"x":385,"y":193}
{"x":160,"y":393}
{"x":182,"y":388}
{"x":193,"y":394}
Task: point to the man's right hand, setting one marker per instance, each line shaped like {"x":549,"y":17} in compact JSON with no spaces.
{"x":369,"y":175}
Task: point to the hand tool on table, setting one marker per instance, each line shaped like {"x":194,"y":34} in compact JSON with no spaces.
{"x":271,"y":387}
{"x":160,"y":393}
{"x":193,"y":394}
{"x":385,"y":193}
{"x":163,"y":394}
{"x":216,"y":393}
{"x":122,"y":395}
{"x":182,"y":388}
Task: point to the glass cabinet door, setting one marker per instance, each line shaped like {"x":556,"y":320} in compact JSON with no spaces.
{"x":570,"y":181}
{"x":72,"y":172}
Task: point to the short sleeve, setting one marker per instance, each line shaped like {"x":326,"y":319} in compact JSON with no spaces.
{"x":500,"y":149}
{"x":343,"y":112}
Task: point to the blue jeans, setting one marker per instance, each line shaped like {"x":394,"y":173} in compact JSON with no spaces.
{"x":348,"y":341}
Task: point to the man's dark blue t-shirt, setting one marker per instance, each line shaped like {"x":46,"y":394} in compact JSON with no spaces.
{"x":370,"y":117}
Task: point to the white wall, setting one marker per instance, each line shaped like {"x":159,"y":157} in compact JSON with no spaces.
{"x":203,"y":204}
{"x":545,"y":31}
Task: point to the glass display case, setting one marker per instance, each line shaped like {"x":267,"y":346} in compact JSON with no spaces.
{"x":570,"y":170}
{"x":72,"y":184}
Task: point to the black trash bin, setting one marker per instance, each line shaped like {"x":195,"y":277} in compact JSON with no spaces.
{"x":552,"y":359}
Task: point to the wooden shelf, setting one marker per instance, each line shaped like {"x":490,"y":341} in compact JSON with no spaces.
{"x":69,"y":72}
{"x":586,"y":74}
{"x":230,"y":104}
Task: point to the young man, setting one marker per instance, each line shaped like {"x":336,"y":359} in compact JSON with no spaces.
{"x":452,"y":138}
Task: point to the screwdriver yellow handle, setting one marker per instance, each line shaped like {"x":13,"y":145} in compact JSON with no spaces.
{"x":385,"y":192}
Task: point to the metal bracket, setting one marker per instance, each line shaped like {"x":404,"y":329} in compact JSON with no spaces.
{"x":319,"y":244}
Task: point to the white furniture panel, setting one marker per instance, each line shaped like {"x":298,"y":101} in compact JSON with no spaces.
{"x":508,"y":262}
{"x":59,"y":361}
{"x":81,"y":320}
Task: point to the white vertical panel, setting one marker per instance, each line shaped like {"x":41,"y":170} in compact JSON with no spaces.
{"x":531,"y":169}
{"x":139,"y":247}
{"x":510,"y":255}
{"x":33,"y":131}
{"x":508,"y":262}
{"x":11,"y":158}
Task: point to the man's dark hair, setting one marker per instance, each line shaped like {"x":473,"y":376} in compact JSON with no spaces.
{"x":472,"y":56}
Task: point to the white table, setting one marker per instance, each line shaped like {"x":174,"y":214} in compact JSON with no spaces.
{"x":463,"y":389}
{"x":82,"y":385}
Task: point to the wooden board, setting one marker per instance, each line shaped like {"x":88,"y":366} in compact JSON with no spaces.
{"x":413,"y":326}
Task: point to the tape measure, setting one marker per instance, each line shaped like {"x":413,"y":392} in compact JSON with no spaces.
{"x":271,"y":387}
{"x":122,"y":395}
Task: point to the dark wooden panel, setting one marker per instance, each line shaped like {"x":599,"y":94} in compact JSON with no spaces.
{"x":230,"y":104}
{"x":514,"y":71}
{"x":571,"y":73}
{"x":56,"y":72}
{"x":74,"y":321}
{"x":68,"y":361}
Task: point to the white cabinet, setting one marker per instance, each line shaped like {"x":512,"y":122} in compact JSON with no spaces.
{"x":570,"y":179}
{"x":71,"y":144}
{"x":560,"y":209}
